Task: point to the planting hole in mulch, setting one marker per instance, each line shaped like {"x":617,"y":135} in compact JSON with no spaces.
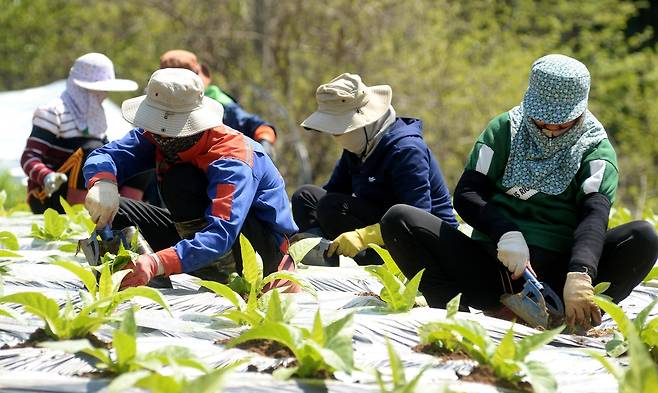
{"x":263,"y":347}
{"x":275,"y":350}
{"x":97,"y":374}
{"x":485,"y":374}
{"x":40,"y":335}
{"x":368,"y":293}
{"x":435,"y":350}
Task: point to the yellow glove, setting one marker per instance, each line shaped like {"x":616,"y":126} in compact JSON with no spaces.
{"x":351,"y":243}
{"x":579,"y":306}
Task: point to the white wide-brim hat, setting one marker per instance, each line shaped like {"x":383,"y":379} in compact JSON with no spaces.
{"x":346,"y":104}
{"x":174,"y":105}
{"x":95,"y":71}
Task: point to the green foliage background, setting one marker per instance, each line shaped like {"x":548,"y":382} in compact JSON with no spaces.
{"x":454,"y":64}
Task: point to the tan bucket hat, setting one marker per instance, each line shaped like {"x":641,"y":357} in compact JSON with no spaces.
{"x":174,"y":105}
{"x":95,"y":71}
{"x":346,"y":104}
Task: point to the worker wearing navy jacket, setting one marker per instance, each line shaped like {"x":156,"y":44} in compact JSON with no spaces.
{"x":385,"y":162}
{"x":215,"y":182}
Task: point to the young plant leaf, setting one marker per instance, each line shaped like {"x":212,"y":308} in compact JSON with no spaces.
{"x":8,"y":240}
{"x":300,"y":248}
{"x":452,"y":308}
{"x":85,"y":275}
{"x":252,"y":267}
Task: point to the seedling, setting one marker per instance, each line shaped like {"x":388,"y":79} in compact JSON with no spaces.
{"x":125,"y":358}
{"x":398,"y":296}
{"x":641,"y":375}
{"x":647,"y":331}
{"x":98,"y":304}
{"x":398,"y":377}
{"x":321,"y":349}
{"x":507,"y":359}
{"x":252,"y":280}
{"x":8,"y":241}
{"x":389,"y":263}
{"x":75,"y":223}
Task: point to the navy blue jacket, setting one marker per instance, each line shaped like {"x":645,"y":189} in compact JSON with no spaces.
{"x":239,"y":119}
{"x":401,"y":169}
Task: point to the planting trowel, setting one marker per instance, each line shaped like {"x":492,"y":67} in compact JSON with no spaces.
{"x":537,"y":304}
{"x":94,"y":249}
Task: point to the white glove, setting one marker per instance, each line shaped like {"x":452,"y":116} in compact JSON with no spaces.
{"x":52,"y":182}
{"x":102,"y":202}
{"x":513,"y":252}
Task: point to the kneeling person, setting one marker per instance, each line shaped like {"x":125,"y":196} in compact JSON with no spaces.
{"x":215,"y":182}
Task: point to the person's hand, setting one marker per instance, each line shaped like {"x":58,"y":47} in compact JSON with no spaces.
{"x":579,"y":306}
{"x":102,"y":202}
{"x":351,"y":243}
{"x":52,"y":182}
{"x":513,"y":253}
{"x":268,"y":147}
{"x":144,"y":268}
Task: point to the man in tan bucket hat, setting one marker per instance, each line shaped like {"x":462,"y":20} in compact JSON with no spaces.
{"x":384,"y":162}
{"x":234,"y":115}
{"x":215,"y":182}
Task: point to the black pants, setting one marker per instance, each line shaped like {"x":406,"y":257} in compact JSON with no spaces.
{"x":183,"y":190}
{"x":332,"y":213}
{"x":454,"y":263}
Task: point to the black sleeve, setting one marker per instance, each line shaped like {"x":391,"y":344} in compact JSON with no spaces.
{"x":590,"y":234}
{"x":471,"y":199}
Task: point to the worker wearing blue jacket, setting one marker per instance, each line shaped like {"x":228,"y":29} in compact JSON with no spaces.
{"x":215,"y":182}
{"x":385,"y":162}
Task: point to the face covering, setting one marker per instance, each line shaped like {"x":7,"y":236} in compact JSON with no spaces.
{"x":363,"y":141}
{"x":86,"y":108}
{"x":170,"y":147}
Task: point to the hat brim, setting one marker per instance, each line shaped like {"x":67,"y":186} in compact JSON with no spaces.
{"x":108,"y":85}
{"x":337,"y":124}
{"x":142,"y":114}
{"x":550,"y":111}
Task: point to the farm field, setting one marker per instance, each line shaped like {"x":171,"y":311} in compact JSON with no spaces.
{"x":192,"y":323}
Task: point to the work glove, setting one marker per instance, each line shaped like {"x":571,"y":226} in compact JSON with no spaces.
{"x":351,"y":243}
{"x":268,"y":147}
{"x":102,"y":202}
{"x":579,"y":306}
{"x":52,"y":182}
{"x":513,"y":253}
{"x":144,"y":268}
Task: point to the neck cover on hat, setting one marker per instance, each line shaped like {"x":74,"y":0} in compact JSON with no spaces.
{"x":547,"y":164}
{"x":170,"y":147}
{"x":363,"y":141}
{"x":86,"y":108}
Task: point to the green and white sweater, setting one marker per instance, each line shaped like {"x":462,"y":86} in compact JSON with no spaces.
{"x":546,"y":221}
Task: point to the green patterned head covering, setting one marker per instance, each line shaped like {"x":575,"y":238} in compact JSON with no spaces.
{"x":558,"y":90}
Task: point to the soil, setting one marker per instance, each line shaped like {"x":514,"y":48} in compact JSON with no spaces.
{"x":485,"y":374}
{"x":263,"y":347}
{"x":97,"y":374}
{"x":275,"y":350}
{"x":435,"y":350}
{"x":40,"y":335}
{"x":480,"y":373}
{"x":600,"y":332}
{"x":369,"y":293}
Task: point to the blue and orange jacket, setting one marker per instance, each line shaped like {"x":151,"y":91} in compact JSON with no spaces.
{"x":401,"y":169}
{"x":241,"y":178}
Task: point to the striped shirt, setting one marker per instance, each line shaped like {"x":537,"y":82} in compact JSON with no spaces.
{"x":54,"y":138}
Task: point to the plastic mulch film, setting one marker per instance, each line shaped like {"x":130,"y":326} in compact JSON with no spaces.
{"x":193,"y":323}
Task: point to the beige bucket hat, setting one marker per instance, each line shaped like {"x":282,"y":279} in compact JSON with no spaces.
{"x":174,"y":105}
{"x":95,"y":71}
{"x":346,"y":104}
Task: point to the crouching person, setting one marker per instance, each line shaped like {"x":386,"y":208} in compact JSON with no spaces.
{"x":215,"y":183}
